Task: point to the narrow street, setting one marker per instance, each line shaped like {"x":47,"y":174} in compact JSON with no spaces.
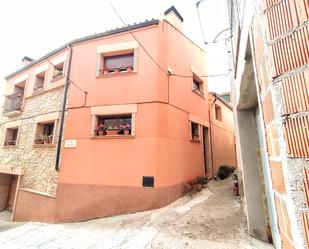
{"x":213,"y":218}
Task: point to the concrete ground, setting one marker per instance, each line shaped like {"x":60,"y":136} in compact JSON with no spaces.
{"x":213,"y":218}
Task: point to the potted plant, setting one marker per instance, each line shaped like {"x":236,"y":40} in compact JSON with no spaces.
{"x":100,"y":129}
{"x":129,"y":68}
{"x":127,"y":128}
{"x":105,"y":70}
{"x":47,"y":139}
{"x":10,"y":143}
{"x":39,"y":140}
{"x":112,"y":130}
{"x":202,"y":180}
{"x":50,"y":139}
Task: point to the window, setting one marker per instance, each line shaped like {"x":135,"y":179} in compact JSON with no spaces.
{"x":117,"y":63}
{"x":45,"y":133}
{"x":195,"y":131}
{"x":226,"y":97}
{"x":113,"y":125}
{"x":39,"y":82}
{"x":11,"y":137}
{"x":218,"y":112}
{"x":58,"y":70}
{"x":197,"y":84}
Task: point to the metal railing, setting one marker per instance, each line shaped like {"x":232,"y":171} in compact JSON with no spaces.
{"x":13,"y":102}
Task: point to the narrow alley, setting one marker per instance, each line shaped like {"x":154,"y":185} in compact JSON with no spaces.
{"x":213,"y":218}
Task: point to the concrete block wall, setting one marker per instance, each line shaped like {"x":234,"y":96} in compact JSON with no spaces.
{"x":280,"y":42}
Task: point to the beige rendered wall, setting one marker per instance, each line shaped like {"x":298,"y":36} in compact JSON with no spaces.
{"x":222,"y":135}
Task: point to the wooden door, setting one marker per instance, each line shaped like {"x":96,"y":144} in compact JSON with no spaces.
{"x":12,"y":193}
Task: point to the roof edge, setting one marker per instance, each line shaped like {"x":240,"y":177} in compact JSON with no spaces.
{"x":86,"y":38}
{"x":221,"y":99}
{"x":173,"y":9}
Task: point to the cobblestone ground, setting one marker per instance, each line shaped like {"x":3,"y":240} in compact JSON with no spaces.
{"x":212,"y":219}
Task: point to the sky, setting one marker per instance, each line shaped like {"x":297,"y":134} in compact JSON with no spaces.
{"x":33,"y":28}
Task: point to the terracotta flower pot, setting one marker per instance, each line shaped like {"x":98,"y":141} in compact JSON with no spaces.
{"x":129,"y":69}
{"x":236,"y":189}
{"x":126,"y":132}
{"x":111,"y":132}
{"x":39,"y":141}
{"x":117,"y":70}
{"x":197,"y":187}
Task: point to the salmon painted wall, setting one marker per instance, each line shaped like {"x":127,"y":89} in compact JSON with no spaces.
{"x":161,"y":146}
{"x":223,"y":136}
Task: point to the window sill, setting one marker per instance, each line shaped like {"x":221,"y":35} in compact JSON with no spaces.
{"x":195,"y":140}
{"x":37,"y":92}
{"x":9,"y":146}
{"x":113,"y":136}
{"x":198,"y":93}
{"x":44,"y":145}
{"x":115,"y":74}
{"x":57,"y":78}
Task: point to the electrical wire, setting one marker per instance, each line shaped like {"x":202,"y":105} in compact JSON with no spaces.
{"x":124,"y":23}
{"x":149,"y":55}
{"x":71,"y":81}
{"x":200,"y":76}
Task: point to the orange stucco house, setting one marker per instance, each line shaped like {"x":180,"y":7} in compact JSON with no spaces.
{"x":115,"y":123}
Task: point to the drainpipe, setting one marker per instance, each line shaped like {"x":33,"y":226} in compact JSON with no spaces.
{"x":66,"y":87}
{"x":210,"y":134}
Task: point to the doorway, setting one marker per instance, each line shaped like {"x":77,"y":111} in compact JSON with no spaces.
{"x":11,"y":193}
{"x":207,"y":153}
{"x":255,"y":173}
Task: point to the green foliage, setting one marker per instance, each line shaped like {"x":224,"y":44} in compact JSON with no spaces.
{"x":224,"y":171}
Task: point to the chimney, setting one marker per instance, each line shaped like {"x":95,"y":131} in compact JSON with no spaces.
{"x":26,"y":60}
{"x":173,"y":17}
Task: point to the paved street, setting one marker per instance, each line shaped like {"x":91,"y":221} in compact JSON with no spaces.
{"x":211,"y":219}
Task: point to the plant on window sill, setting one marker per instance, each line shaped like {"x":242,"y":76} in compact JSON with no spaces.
{"x":10,"y":143}
{"x":195,"y":139}
{"x":100,"y":130}
{"x":113,"y":71}
{"x":129,"y":68}
{"x":125,"y":129}
{"x":44,"y":139}
{"x":112,"y":131}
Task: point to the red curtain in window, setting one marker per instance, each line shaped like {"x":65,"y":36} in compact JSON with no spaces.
{"x":118,"y":61}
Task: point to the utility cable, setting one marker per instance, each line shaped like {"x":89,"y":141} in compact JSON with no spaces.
{"x":71,"y":81}
{"x":200,"y":76}
{"x":149,"y":55}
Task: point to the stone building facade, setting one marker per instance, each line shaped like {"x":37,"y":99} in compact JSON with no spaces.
{"x":38,"y":161}
{"x":27,"y":162}
{"x":270,"y":57}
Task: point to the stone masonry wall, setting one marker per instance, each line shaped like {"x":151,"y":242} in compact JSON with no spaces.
{"x":38,"y":162}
